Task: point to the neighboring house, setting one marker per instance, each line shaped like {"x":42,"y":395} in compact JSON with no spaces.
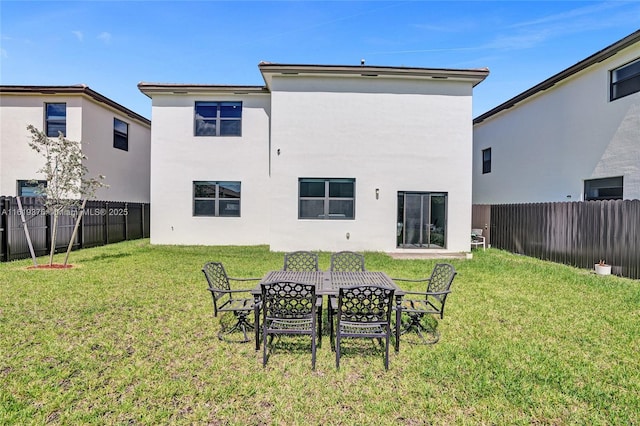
{"x":115,"y":140}
{"x":321,"y":157}
{"x":575,"y":136}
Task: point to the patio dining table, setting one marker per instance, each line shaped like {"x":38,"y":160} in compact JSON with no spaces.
{"x":327,"y":284}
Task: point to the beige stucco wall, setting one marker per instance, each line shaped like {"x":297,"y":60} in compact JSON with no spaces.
{"x":545,"y":147}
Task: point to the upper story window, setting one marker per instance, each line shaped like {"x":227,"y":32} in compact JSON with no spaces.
{"x":31,"y":188}
{"x":218,"y":119}
{"x":625,"y":80}
{"x":216,"y":198}
{"x":326,"y":198}
{"x":486,"y":160}
{"x":120,"y":135}
{"x":603,"y":189}
{"x":55,"y":119}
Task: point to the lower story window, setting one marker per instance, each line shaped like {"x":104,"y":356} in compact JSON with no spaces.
{"x":324,"y":198}
{"x":603,"y":189}
{"x":216,"y":198}
{"x":31,"y":188}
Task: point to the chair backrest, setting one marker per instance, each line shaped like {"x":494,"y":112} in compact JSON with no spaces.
{"x":365,"y":304}
{"x":218,"y":281}
{"x":347,"y":261}
{"x":441,"y":278}
{"x":288,"y":300}
{"x":301,"y":261}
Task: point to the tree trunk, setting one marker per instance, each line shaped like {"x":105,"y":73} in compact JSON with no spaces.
{"x":54,"y":230}
{"x":75,"y":231}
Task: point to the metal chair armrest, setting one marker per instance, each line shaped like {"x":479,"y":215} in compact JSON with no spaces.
{"x":436,"y":293}
{"x":244,"y":279}
{"x":419,"y":280}
{"x":241,"y":290}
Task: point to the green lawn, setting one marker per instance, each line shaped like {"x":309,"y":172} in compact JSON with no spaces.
{"x":128,"y":337}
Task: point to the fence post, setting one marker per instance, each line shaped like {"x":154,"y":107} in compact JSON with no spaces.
{"x":106,"y":223}
{"x":4,"y":221}
{"x":126,"y":222}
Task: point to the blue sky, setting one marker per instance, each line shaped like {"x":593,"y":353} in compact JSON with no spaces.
{"x":113,"y":45}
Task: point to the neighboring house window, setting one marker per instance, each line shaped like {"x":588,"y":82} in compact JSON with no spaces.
{"x":326,"y":198}
{"x":625,"y":80}
{"x":603,"y":189}
{"x":216,"y":198}
{"x":56,"y":119}
{"x":486,"y":160}
{"x":218,"y":118}
{"x":120,"y":135}
{"x":31,"y":188}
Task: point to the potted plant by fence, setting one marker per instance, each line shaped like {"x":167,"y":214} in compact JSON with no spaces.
{"x":602,"y":268}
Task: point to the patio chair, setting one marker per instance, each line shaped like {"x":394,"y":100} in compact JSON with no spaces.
{"x":347,"y":261}
{"x":431,"y":301}
{"x":477,"y":239}
{"x":226,"y":299}
{"x":304,"y":261}
{"x":342,"y":261}
{"x":364,"y":312}
{"x":288,"y":308}
{"x":301,"y":261}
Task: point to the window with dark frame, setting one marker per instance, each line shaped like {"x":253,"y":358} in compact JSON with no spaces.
{"x":31,"y":188}
{"x":625,"y":80}
{"x":486,"y":161}
{"x":120,"y":135}
{"x":218,"y":119}
{"x":325,"y":198}
{"x":603,"y":189}
{"x":55,"y":119}
{"x":216,"y":198}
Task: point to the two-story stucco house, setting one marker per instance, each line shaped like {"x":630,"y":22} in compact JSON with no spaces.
{"x":115,"y":140}
{"x":320,"y":158}
{"x":573,"y":137}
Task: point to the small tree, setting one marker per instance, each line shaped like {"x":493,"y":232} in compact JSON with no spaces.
{"x":67,"y":185}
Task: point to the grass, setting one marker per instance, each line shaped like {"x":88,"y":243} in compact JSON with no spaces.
{"x":128,"y":337}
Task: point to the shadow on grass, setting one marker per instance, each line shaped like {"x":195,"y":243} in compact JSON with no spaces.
{"x":105,"y":256}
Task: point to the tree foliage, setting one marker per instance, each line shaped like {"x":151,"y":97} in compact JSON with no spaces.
{"x":66,"y":176}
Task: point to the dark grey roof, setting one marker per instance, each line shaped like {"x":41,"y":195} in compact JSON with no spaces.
{"x":74,"y":89}
{"x":475,"y":75}
{"x":600,"y":56}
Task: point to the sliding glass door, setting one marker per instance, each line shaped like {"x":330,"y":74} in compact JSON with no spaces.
{"x":422,"y":219}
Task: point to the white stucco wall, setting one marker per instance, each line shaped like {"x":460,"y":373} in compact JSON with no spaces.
{"x":395,"y":135}
{"x":126,"y":172}
{"x":178,"y":158}
{"x":545,"y":147}
{"x":88,"y":122}
{"x":18,"y":161}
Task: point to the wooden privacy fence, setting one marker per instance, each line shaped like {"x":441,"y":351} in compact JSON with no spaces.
{"x":103,"y":222}
{"x":573,"y":233}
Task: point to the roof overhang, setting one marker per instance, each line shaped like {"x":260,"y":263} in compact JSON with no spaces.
{"x":269,"y":70}
{"x":77,"y":89}
{"x":597,"y":57}
{"x":151,"y":89}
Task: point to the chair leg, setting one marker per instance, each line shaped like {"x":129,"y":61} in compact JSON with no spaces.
{"x":386,"y":353}
{"x":415,"y":324}
{"x":264,"y":348}
{"x":337,"y":351}
{"x":313,"y":352}
{"x":319,"y":327}
{"x":241,"y":324}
